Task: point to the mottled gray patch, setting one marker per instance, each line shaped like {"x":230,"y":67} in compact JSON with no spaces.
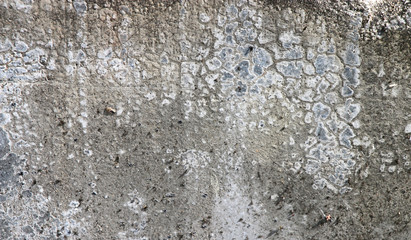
{"x":349,"y":111}
{"x":232,"y":12}
{"x":245,"y":35}
{"x":352,"y":76}
{"x":226,"y":53}
{"x":242,"y":70}
{"x":254,"y":89}
{"x":346,"y":91}
{"x":294,"y":53}
{"x":246,"y":50}
{"x":81,"y":7}
{"x":229,"y":40}
{"x":4,"y":228}
{"x":258,"y":70}
{"x":321,"y":132}
{"x":229,"y":29}
{"x":321,"y":111}
{"x":26,"y":193}
{"x":7,"y":170}
{"x":345,"y":136}
{"x":351,"y":55}
{"x":164,"y":60}
{"x":28,"y":229}
{"x":290,"y":69}
{"x":226,"y":76}
{"x":241,"y":89}
{"x":243,"y":14}
{"x":324,"y":63}
{"x":262,"y":58}
{"x":4,"y":143}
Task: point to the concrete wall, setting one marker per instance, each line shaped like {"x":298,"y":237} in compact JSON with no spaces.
{"x":205,"y":119}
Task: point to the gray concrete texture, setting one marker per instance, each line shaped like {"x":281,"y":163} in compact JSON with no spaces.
{"x":205,"y":119}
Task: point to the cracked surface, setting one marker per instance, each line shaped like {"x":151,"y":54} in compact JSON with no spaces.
{"x":176,"y":120}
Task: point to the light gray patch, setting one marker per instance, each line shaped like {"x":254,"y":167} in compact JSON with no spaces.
{"x":350,"y":164}
{"x":230,"y":28}
{"x":232,"y":12}
{"x":351,"y":74}
{"x":349,"y":111}
{"x":81,"y":7}
{"x":346,"y":91}
{"x":332,"y":124}
{"x":226,"y":54}
{"x":228,"y":57}
{"x":322,"y":64}
{"x":247,"y":24}
{"x":230,"y":40}
{"x":321,"y":111}
{"x":316,"y":152}
{"x":296,"y":52}
{"x":351,"y":55}
{"x":262,"y":58}
{"x":290,"y":69}
{"x":322,"y":133}
{"x":4,"y":143}
{"x":17,"y":63}
{"x":243,"y":14}
{"x":345,"y":137}
{"x":81,"y":56}
{"x":323,"y":86}
{"x":245,"y":35}
{"x":226,"y":76}
{"x":331,"y":48}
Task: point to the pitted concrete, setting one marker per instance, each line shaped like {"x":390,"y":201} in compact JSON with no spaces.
{"x":205,"y":120}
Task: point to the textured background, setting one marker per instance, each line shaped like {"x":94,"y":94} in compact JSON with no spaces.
{"x":205,"y":119}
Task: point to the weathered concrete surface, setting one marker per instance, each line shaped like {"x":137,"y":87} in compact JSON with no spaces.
{"x":205,"y":120}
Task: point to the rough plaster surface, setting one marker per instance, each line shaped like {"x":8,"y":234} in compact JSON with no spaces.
{"x":205,"y":120}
